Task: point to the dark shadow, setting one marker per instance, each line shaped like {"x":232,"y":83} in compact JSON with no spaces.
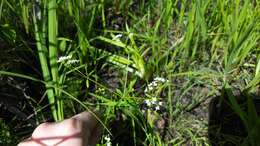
{"x":225,"y":126}
{"x":124,"y":134}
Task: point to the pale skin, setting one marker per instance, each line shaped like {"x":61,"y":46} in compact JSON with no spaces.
{"x":80,"y":130}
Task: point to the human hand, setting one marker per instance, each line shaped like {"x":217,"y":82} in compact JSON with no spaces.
{"x":80,"y":130}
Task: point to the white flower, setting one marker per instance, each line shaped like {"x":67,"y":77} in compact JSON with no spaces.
{"x":148,"y":102}
{"x":108,"y":140}
{"x":109,"y":143}
{"x":73,"y":61}
{"x":157,"y":108}
{"x":154,"y":83}
{"x":117,"y":37}
{"x":151,"y":86}
{"x":153,"y":104}
{"x":154,"y":101}
{"x":163,"y":80}
{"x":145,"y":90}
{"x":64,"y":58}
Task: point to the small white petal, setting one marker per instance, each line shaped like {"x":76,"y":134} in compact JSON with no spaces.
{"x":154,"y":84}
{"x":148,"y":103}
{"x":107,"y":138}
{"x":150,"y":88}
{"x":163,"y":80}
{"x":64,"y":58}
{"x":145,"y":90}
{"x":109,"y":144}
{"x":74,"y":61}
{"x":117,"y":36}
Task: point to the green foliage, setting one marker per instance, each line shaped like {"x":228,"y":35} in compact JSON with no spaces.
{"x":104,"y":54}
{"x":5,"y":134}
{"x":249,"y":117}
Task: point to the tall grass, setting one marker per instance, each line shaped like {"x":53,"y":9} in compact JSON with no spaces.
{"x":202,"y":47}
{"x":53,"y":52}
{"x":48,"y":62}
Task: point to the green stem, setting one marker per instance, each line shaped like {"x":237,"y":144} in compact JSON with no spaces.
{"x":42,"y":51}
{"x":52,"y":33}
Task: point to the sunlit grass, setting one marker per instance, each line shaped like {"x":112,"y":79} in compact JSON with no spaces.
{"x":203,"y":48}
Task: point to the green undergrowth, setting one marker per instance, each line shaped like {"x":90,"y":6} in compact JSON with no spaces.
{"x":150,"y":67}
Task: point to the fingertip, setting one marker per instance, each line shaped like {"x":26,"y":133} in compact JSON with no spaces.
{"x":71,"y":125}
{"x":38,"y":131}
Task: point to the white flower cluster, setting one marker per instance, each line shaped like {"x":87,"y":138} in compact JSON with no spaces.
{"x":73,"y":61}
{"x":108,"y":140}
{"x":67,"y":60}
{"x":154,"y":84}
{"x":160,"y":79}
{"x":153,"y":103}
{"x":64,"y":58}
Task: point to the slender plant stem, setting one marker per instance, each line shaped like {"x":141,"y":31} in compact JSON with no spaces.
{"x":52,"y":33}
{"x":42,"y":51}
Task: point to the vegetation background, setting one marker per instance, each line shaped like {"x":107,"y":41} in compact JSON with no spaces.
{"x":160,"y":72}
